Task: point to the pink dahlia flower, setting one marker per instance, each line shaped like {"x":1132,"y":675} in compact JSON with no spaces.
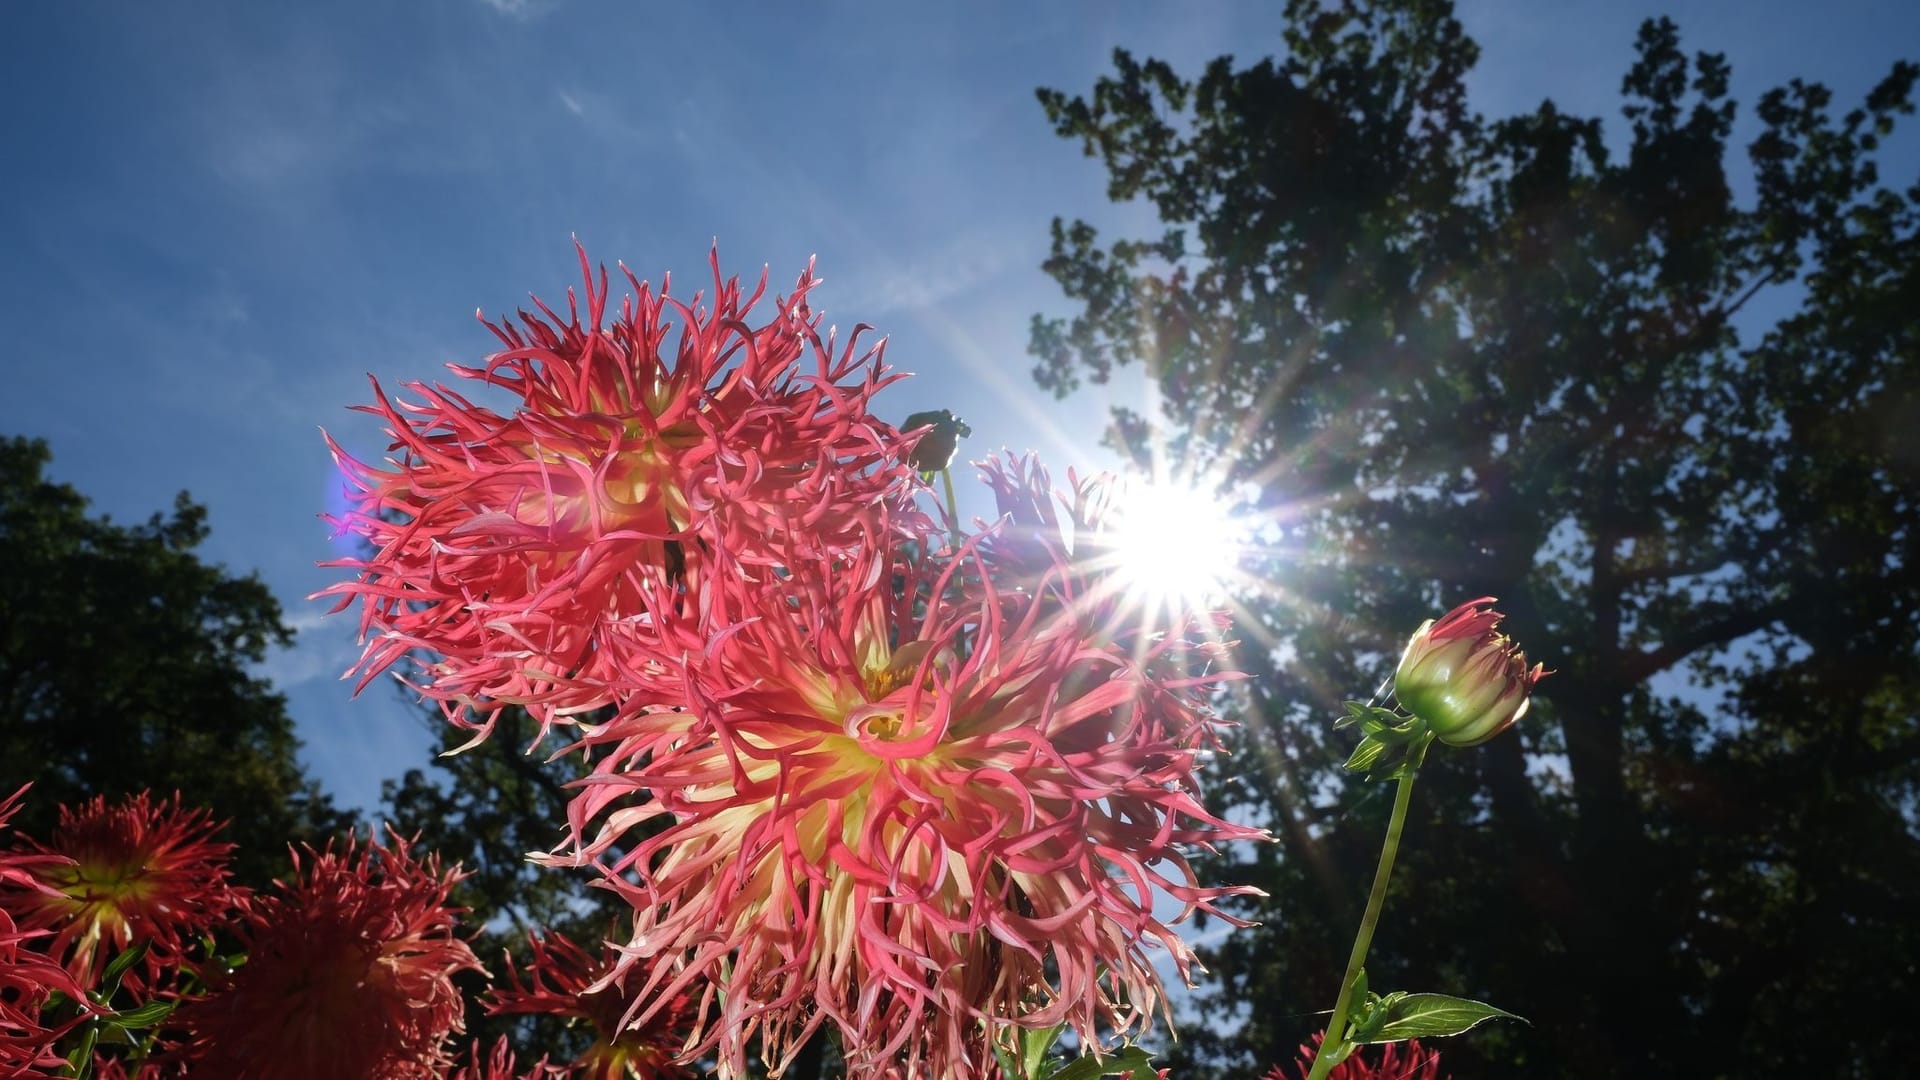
{"x":1465,"y":679}
{"x":550,"y":556}
{"x":565,"y":980}
{"x":133,"y":871}
{"x":349,"y":974}
{"x":920,"y":819}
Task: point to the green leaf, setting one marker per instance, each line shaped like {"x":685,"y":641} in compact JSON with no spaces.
{"x":121,"y":964}
{"x":146,"y":1015}
{"x":1035,"y":1044}
{"x":1365,"y":1015}
{"x":1081,"y":1068}
{"x":1008,"y":1066}
{"x":1426,"y":1016}
{"x":80,"y":1061}
{"x":1131,"y":1059}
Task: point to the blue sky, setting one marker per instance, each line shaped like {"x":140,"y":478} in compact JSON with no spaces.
{"x":220,"y":217}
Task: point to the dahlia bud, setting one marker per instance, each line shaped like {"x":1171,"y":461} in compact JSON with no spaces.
{"x":1466,"y":681}
{"x":935,"y":449}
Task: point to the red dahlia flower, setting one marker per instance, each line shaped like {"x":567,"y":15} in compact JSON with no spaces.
{"x":111,"y":1068}
{"x":564,"y":980}
{"x":920,"y":819}
{"x":349,"y":975}
{"x":1393,"y":1061}
{"x":548,"y":556}
{"x":135,"y":871}
{"x":1466,"y":680}
{"x":498,"y":1064}
{"x":27,"y":977}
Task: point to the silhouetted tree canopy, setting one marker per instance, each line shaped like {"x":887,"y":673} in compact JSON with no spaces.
{"x":1673,"y":428}
{"x":125,"y":665}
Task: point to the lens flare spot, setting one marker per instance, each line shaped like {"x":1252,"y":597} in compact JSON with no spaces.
{"x":1176,"y":546}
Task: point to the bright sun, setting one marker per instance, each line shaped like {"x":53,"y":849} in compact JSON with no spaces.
{"x":1176,"y":547}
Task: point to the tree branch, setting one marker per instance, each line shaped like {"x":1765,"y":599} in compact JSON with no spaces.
{"x":1640,"y":666}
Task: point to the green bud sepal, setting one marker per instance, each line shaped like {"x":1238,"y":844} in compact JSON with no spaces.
{"x":1392,"y":745}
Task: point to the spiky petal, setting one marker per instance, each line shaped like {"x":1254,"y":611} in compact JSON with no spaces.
{"x":1388,"y":1061}
{"x":563,"y":979}
{"x":498,"y":1064}
{"x":28,"y":977}
{"x":549,"y":557}
{"x":349,"y":974}
{"x":132,"y":871}
{"x":922,"y":819}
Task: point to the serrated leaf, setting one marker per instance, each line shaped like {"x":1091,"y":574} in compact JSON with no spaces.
{"x":1428,"y":1016}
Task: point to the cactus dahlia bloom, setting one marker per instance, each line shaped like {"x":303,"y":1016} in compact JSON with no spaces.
{"x":551,"y":555}
{"x":349,"y":974}
{"x":921,"y":819}
{"x":112,"y":1068}
{"x":1467,"y":681}
{"x":27,"y":976}
{"x":1029,"y":548}
{"x":564,"y":980}
{"x":498,"y":1064}
{"x":135,"y":871}
{"x":1394,"y":1061}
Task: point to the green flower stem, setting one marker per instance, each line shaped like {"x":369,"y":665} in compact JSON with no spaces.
{"x":1337,"y":1025}
{"x":953,"y":507}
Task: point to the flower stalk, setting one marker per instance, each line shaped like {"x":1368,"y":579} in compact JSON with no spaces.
{"x":1333,"y":1049}
{"x":1464,"y":683}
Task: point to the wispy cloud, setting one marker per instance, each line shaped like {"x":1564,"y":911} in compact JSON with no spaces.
{"x":322,"y":647}
{"x":882,"y":284}
{"x":522,"y":9}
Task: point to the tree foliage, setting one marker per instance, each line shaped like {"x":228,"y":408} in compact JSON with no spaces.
{"x":125,"y":664}
{"x":1671,"y":426}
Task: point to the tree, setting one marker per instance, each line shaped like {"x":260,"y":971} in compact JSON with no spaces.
{"x":124,"y":666}
{"x":1459,"y":357}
